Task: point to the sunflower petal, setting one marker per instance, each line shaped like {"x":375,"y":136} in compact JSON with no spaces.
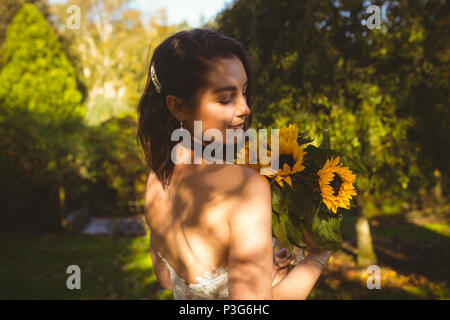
{"x":288,"y":180}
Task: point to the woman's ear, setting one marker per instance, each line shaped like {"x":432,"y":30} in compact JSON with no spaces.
{"x":176,"y":107}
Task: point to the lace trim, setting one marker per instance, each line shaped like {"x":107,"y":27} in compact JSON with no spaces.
{"x":210,"y":286}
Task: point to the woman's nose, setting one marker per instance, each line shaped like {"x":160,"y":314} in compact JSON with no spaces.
{"x":243,"y":109}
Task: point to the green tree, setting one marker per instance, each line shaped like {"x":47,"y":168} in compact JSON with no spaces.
{"x":37,"y":74}
{"x":9,"y":9}
{"x":111,"y":48}
{"x":41,"y":112}
{"x":316,"y":64}
{"x":36,"y":161}
{"x":411,"y":59}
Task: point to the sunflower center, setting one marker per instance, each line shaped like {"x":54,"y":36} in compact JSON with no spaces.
{"x":287,"y":158}
{"x":336,"y":184}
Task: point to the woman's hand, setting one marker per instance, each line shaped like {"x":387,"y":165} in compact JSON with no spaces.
{"x":310,"y":246}
{"x":315,"y":250}
{"x":281,"y":261}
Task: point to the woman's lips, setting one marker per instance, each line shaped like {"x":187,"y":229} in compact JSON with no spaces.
{"x":241,"y":126}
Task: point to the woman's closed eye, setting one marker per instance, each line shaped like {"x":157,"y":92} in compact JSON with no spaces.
{"x":228,"y":99}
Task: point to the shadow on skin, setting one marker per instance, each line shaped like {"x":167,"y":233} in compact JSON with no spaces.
{"x":196,"y":191}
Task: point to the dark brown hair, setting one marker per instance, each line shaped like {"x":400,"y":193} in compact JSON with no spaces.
{"x":181,"y":63}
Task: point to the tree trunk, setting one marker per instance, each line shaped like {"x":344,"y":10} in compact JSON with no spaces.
{"x":62,"y":207}
{"x":437,"y":192}
{"x":366,"y":254}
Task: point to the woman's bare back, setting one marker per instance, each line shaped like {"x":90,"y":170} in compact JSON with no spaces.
{"x":189,"y":219}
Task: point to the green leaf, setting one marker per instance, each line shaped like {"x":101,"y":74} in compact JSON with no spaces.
{"x":301,"y":210}
{"x":275,"y":200}
{"x":275,"y":224}
{"x":325,"y":230}
{"x":303,"y":139}
{"x":279,"y":229}
{"x":295,"y":234}
{"x":279,"y":200}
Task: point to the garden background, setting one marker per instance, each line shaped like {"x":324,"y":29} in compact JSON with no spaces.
{"x":68,"y":123}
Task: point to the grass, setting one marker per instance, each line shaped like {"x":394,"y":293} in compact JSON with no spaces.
{"x":111,"y":268}
{"x":441,"y":228}
{"x":413,"y":260}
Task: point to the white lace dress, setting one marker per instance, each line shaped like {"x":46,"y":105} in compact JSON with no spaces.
{"x":210,"y":286}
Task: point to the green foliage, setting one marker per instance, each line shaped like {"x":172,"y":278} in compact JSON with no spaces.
{"x":9,"y":9}
{"x":46,"y":145}
{"x":300,"y":207}
{"x":383,"y":94}
{"x":325,"y":144}
{"x":35,"y":158}
{"x":97,"y":166}
{"x":325,"y":230}
{"x":103,"y":109}
{"x":37,"y":74}
{"x":298,"y":213}
{"x":40,"y":113}
{"x":110,"y":167}
{"x":111,"y":50}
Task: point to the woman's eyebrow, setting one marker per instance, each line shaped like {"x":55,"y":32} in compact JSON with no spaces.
{"x":228,"y":88}
{"x":232,"y":88}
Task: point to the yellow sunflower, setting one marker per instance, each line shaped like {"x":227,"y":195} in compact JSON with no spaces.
{"x":243,"y":158}
{"x":290,"y":156}
{"x":290,"y":133}
{"x":336,"y":185}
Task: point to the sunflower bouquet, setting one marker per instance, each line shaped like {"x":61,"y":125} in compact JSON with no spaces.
{"x":311,"y":189}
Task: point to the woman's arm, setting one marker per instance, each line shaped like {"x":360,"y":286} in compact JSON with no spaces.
{"x":299,"y":282}
{"x":159,"y":267}
{"x":250,"y":257}
{"x":250,"y":272}
{"x":304,"y":275}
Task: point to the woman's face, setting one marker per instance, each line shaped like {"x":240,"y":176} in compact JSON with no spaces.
{"x":222,"y":104}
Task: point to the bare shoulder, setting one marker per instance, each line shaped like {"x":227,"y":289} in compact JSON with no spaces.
{"x":244,"y":189}
{"x":250,"y":185}
{"x":240,"y":178}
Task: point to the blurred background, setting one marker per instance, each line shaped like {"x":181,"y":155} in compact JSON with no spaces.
{"x":72,"y":178}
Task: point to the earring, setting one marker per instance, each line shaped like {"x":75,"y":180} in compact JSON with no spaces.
{"x":181,"y":125}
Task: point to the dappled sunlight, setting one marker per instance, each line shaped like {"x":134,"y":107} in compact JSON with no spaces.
{"x":121,"y":268}
{"x":71,"y":158}
{"x":405,"y":267}
{"x":344,"y":280}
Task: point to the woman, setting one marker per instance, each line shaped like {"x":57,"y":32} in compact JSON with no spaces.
{"x":210,"y":223}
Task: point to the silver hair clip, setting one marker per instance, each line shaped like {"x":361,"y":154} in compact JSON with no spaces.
{"x":155,"y":79}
